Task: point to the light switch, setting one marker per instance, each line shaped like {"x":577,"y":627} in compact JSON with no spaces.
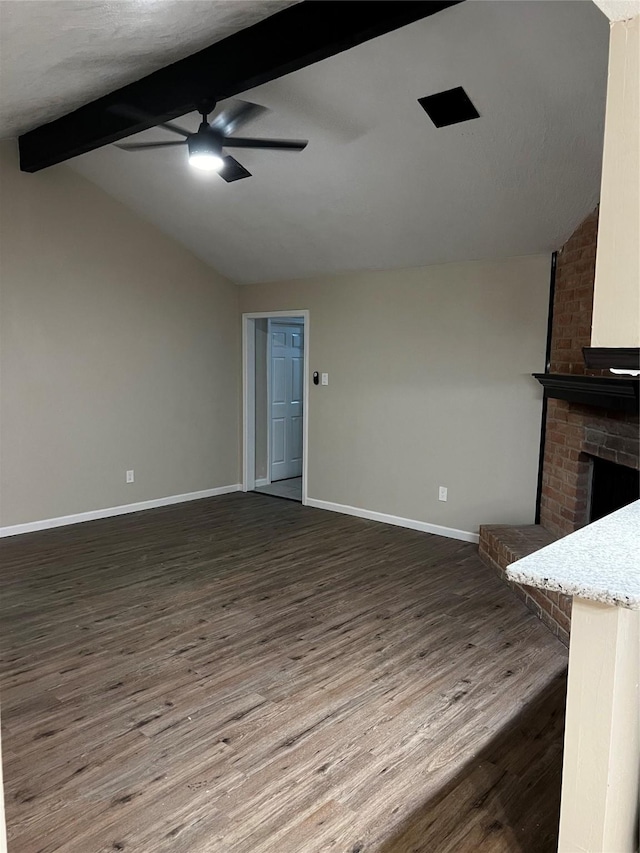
{"x":325,"y":378}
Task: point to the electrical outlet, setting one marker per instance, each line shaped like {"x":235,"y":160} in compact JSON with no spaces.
{"x":442,"y":493}
{"x":325,"y":378}
{"x":129,"y":476}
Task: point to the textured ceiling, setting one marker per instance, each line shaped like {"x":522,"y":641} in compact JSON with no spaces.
{"x":379,"y":186}
{"x":56,"y":55}
{"x":619,"y":10}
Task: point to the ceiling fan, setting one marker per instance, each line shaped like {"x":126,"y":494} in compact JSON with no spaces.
{"x":206,"y":144}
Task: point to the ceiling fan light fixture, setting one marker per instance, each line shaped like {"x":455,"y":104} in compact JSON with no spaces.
{"x":205,"y":152}
{"x":206,"y":148}
{"x":206,"y":162}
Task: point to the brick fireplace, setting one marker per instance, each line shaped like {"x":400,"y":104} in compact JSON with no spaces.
{"x":576,"y":435}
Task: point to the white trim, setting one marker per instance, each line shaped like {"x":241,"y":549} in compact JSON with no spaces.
{"x":305,"y":412}
{"x":249,"y":406}
{"x":266,"y":315}
{"x":249,"y":396}
{"x":265,"y":481}
{"x":268,"y":395}
{"x":92,"y":515}
{"x":412,"y":524}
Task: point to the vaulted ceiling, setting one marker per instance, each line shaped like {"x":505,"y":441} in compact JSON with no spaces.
{"x":56,"y":55}
{"x":378,"y":186}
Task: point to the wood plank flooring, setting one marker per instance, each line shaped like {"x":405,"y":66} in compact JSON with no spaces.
{"x":247,"y":675}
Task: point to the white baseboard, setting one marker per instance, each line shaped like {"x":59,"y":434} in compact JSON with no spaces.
{"x":265,"y":481}
{"x":92,"y":515}
{"x":412,"y":524}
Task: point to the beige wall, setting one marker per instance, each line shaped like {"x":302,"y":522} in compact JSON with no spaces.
{"x":119,"y":349}
{"x":616,"y":304}
{"x":3,"y":830}
{"x":600,"y":787}
{"x":429,"y":384}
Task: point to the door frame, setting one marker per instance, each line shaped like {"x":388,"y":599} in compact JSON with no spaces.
{"x":270,"y":323}
{"x":249,"y":396}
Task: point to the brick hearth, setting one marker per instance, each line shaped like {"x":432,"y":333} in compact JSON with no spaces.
{"x":501,"y":544}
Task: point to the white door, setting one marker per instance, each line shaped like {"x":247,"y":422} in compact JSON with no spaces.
{"x":287,"y":371}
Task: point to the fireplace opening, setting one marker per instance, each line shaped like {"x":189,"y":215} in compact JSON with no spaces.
{"x":612,"y":487}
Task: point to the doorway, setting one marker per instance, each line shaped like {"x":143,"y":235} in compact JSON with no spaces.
{"x":275,"y":394}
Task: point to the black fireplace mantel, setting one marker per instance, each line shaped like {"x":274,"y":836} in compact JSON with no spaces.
{"x":619,"y":394}
{"x":612,"y":358}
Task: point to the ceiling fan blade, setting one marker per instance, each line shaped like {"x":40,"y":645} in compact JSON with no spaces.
{"x":232,"y":170}
{"x":276,"y":144}
{"x":175,"y":128}
{"x":233,"y":117}
{"x":143,"y":146}
{"x":134,"y":113}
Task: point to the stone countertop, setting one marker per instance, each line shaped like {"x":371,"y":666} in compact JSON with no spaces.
{"x":600,"y":562}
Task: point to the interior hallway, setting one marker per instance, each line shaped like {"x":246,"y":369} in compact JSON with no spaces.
{"x":240,"y":675}
{"x":290,"y":489}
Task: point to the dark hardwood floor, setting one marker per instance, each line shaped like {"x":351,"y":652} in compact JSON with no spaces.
{"x":243,"y":675}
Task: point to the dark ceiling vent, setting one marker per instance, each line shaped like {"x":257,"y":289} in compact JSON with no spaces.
{"x":449,"y":107}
